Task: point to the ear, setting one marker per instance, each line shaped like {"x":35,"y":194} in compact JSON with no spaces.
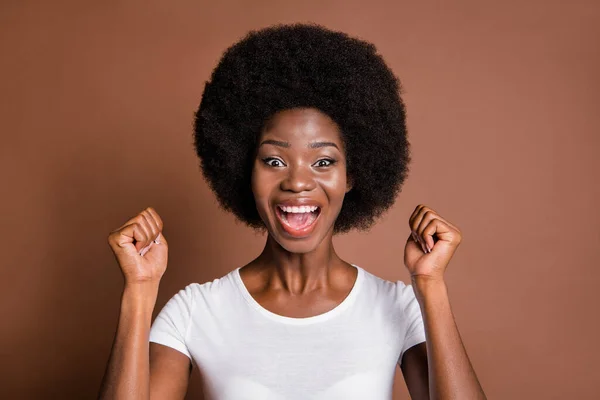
{"x":349,"y":184}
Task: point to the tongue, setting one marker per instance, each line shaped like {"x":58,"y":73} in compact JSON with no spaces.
{"x":300,"y":220}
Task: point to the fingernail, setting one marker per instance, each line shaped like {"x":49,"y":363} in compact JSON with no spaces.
{"x":145,"y":250}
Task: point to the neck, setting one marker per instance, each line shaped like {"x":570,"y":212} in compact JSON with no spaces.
{"x":299,"y":273}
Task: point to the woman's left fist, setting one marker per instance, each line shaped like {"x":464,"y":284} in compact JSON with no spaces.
{"x":431,"y":244}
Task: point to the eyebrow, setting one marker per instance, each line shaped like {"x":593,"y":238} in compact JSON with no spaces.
{"x":313,"y":145}
{"x":275,"y":143}
{"x":316,"y":145}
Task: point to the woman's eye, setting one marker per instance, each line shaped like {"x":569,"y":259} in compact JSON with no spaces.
{"x":324,"y":163}
{"x":273,"y":162}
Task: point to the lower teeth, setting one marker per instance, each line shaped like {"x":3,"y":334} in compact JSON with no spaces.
{"x":309,"y":220}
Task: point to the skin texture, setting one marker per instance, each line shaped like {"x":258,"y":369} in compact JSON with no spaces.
{"x":300,"y":155}
{"x":295,"y":277}
{"x":427,"y":253}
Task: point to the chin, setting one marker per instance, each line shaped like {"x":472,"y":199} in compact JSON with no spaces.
{"x":296,"y":246}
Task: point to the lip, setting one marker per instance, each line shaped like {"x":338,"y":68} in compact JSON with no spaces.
{"x":297,"y":233}
{"x":299,"y":202}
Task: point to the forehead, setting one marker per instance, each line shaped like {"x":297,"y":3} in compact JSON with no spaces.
{"x":302,"y":125}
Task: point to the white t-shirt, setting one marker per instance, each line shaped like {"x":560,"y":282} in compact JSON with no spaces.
{"x":246,"y":352}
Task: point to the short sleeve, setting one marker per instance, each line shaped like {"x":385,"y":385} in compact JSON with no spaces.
{"x":415,"y":329}
{"x":171,"y":323}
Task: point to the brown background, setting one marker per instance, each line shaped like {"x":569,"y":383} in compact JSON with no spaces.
{"x":96,"y":120}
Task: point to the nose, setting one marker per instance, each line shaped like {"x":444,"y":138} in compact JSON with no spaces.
{"x":298,"y":179}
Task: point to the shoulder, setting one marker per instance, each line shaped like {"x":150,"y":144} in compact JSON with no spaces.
{"x":395,"y":299}
{"x":396,"y":292}
{"x":209,"y":292}
{"x":392,"y":303}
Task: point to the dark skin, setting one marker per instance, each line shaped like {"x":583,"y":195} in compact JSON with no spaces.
{"x":300,"y":157}
{"x":305,"y":277}
{"x":298,"y":278}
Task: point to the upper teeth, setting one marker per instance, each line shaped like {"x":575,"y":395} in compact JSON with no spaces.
{"x":301,"y":209}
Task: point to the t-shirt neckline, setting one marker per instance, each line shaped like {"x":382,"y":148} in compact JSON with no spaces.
{"x":347,"y":302}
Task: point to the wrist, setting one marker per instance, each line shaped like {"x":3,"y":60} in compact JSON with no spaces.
{"x":426,"y":286}
{"x":140,"y":295}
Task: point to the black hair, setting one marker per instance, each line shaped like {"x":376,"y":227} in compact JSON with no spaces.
{"x":304,"y":65}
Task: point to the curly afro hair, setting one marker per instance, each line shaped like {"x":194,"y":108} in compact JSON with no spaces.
{"x":304,"y":65}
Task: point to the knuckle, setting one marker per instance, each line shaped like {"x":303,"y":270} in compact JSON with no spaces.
{"x":140,"y":220}
{"x":139,"y":227}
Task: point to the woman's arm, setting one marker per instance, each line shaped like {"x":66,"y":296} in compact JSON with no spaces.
{"x":129,"y":374}
{"x":429,"y":248}
{"x":451,"y":375}
{"x":142,"y":254}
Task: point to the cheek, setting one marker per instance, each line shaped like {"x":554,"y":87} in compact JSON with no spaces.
{"x":255,"y":185}
{"x":261,"y":188}
{"x":335,"y":185}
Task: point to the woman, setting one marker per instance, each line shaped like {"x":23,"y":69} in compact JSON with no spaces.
{"x":301,"y":133}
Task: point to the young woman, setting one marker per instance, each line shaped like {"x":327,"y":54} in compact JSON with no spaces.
{"x":301,"y":134}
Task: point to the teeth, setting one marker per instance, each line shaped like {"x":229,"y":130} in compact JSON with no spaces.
{"x":301,"y":209}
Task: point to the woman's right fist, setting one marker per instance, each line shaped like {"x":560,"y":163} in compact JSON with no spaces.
{"x":140,"y":248}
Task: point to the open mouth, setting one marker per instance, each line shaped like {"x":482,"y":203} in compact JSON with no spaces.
{"x":298,"y":220}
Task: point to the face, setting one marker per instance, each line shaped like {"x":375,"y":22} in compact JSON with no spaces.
{"x":299,"y":178}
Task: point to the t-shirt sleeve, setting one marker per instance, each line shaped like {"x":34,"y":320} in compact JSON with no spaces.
{"x":171,"y":324}
{"x":415,"y":329}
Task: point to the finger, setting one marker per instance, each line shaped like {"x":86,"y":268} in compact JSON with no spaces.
{"x":135,"y":217}
{"x":417,"y":217}
{"x":160,"y":239}
{"x":151,"y":227}
{"x":442,"y":230}
{"x":145,"y":226}
{"x":437,"y":216}
{"x":128,"y":222}
{"x":412,"y":224}
{"x":151,"y":220}
{"x":157,"y":221}
{"x":149,"y":223}
{"x":414,"y":215}
{"x":428,"y":233}
{"x":432,"y":227}
{"x":418,"y":240}
{"x":414,"y":238}
{"x":424,"y":209}
{"x":146,"y":249}
{"x":156,"y":217}
{"x":422,"y":216}
{"x":426,"y":216}
{"x":416,"y":224}
{"x":130,"y":233}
